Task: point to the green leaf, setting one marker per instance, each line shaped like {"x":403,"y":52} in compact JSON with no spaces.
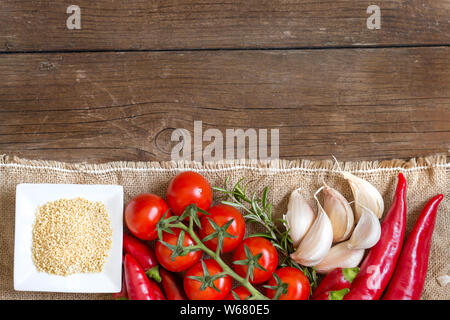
{"x":235,"y":295}
{"x":164,"y":224}
{"x":220,"y":189}
{"x":251,"y":262}
{"x":171,"y":247}
{"x":168,"y":245}
{"x":186,"y":213}
{"x":250,"y":269}
{"x":220,"y":232}
{"x":207,"y":281}
{"x":263,"y":235}
{"x":209,"y":237}
{"x":280,"y":287}
{"x":233,"y":204}
{"x":195,"y":218}
{"x":278,"y":246}
{"x":255,"y":205}
{"x":179,"y":249}
{"x":280,"y":220}
{"x":206,"y":213}
{"x":241,"y":262}
{"x":269,"y":211}
{"x":264,"y":197}
{"x":180,"y":240}
{"x":197,"y":278}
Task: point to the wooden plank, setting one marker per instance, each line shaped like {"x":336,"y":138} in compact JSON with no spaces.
{"x":353,"y":103}
{"x":27,"y":25}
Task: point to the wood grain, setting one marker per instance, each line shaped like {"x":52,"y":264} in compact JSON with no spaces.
{"x":27,"y":25}
{"x":353,"y":103}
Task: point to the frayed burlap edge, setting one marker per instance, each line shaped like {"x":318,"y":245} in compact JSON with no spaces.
{"x":438,"y":160}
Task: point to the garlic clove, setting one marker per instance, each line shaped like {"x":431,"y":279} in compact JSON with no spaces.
{"x":340,"y":256}
{"x":299,"y":217}
{"x":365,"y":194}
{"x":340,"y":213}
{"x":443,"y":280}
{"x":317,"y":241}
{"x":367,"y":232}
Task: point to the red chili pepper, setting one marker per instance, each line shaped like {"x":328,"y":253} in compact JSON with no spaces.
{"x":332,"y":295}
{"x":139,"y":286}
{"x":172,"y":288}
{"x":409,"y":277}
{"x":379,"y":265}
{"x":335,"y":280}
{"x":122,"y":295}
{"x":143,"y":254}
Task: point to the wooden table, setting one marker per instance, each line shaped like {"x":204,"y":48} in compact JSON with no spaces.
{"x":138,"y":69}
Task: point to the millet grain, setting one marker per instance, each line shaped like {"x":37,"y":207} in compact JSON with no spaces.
{"x":71,"y":236}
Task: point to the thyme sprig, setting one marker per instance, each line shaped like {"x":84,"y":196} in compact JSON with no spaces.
{"x":257,"y":209}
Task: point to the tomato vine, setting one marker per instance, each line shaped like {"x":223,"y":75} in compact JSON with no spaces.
{"x":167,"y":223}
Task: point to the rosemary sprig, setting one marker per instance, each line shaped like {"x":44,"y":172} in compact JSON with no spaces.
{"x":259,"y":210}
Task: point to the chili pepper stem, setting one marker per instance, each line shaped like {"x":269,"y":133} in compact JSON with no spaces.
{"x":153,"y":273}
{"x":255,"y":294}
{"x":339,"y":294}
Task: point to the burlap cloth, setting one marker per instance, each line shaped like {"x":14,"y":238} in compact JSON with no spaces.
{"x":426,"y":177}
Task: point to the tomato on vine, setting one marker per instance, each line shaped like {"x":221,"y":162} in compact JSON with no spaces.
{"x":239,"y":292}
{"x":219,"y":216}
{"x":288,"y":283}
{"x":259,"y":256}
{"x":188,"y":188}
{"x":205,"y":281}
{"x":142,"y":214}
{"x":173,"y":253}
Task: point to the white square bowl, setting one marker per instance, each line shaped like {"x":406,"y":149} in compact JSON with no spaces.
{"x":26,"y":277}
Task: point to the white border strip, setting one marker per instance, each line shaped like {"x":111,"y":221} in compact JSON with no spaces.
{"x":243,"y":167}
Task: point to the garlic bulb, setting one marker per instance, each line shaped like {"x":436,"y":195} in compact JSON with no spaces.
{"x":365,"y":194}
{"x":340,"y":213}
{"x":317,"y":241}
{"x":340,"y":256}
{"x":367,"y":232}
{"x":299,"y":217}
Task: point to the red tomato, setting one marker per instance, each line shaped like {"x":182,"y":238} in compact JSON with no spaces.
{"x":241,"y":291}
{"x":192,"y":286}
{"x":298,"y":284}
{"x":142,"y":214}
{"x":221,"y":214}
{"x":268,"y":260}
{"x":180,"y":263}
{"x":187,"y":188}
